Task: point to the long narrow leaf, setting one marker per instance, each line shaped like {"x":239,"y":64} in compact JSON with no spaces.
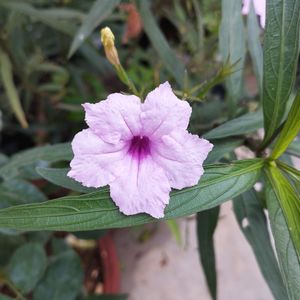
{"x":97,"y":211}
{"x":289,"y":131}
{"x":10,"y":88}
{"x":253,"y":223}
{"x":281,"y":49}
{"x":232,"y":47}
{"x":254,"y":44}
{"x":58,"y":152}
{"x":206,"y":224}
{"x":99,"y":11}
{"x":160,"y":44}
{"x":247,"y":123}
{"x":285,"y":244}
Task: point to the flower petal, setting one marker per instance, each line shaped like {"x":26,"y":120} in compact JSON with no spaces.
{"x":181,"y":155}
{"x":163,"y":112}
{"x":142,"y":188}
{"x":116,"y":118}
{"x":95,"y":161}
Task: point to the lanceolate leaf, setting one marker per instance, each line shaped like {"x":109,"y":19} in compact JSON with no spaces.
{"x":100,"y":10}
{"x":247,"y":123}
{"x":289,"y":202}
{"x":281,"y":49}
{"x":54,"y":21}
{"x":58,"y":152}
{"x":160,"y":44}
{"x":254,"y":44}
{"x":206,"y":224}
{"x":284,"y":210}
{"x":232,"y":47}
{"x":10,"y":88}
{"x":97,"y":211}
{"x":252,"y":221}
{"x":290,"y":129}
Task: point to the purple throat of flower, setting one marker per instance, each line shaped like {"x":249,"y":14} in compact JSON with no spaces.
{"x":140,"y":147}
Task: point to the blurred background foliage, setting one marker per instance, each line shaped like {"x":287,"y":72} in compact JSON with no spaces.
{"x":52,"y":61}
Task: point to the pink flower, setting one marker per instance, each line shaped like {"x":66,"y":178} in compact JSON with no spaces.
{"x":140,"y":149}
{"x":259,"y":7}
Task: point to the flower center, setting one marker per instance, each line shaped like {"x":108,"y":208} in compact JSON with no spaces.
{"x":139,"y":146}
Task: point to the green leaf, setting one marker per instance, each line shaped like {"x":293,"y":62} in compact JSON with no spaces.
{"x":16,"y":191}
{"x":99,"y":11}
{"x":58,"y":152}
{"x":254,"y":44}
{"x":60,"y":178}
{"x":10,"y":88}
{"x":283,"y":206}
{"x":245,"y":124}
{"x":233,"y":48}
{"x":289,"y":201}
{"x":63,"y":279}
{"x":289,"y":130}
{"x":206,"y":224}
{"x":221,"y":148}
{"x":40,"y":15}
{"x":253,"y":223}
{"x":160,"y":44}
{"x":55,"y":22}
{"x":294,"y":148}
{"x":281,"y":49}
{"x":294,"y":173}
{"x":97,"y":211}
{"x":27,"y":266}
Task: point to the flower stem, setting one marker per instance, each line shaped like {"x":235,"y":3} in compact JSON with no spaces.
{"x":125,"y":79}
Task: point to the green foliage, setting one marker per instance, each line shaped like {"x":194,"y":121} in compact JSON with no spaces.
{"x":58,"y":152}
{"x":97,"y":211}
{"x":281,"y":49}
{"x":10,"y":88}
{"x":287,"y":196}
{"x":232,"y":48}
{"x":17,"y":191}
{"x":252,"y":221}
{"x":160,"y":44}
{"x":255,"y":48}
{"x":206,"y":224}
{"x":41,"y":86}
{"x":245,"y":124}
{"x":27,"y":266}
{"x":62,"y":280}
{"x":285,"y":245}
{"x":59,"y":177}
{"x":100,"y":10}
{"x":289,"y":130}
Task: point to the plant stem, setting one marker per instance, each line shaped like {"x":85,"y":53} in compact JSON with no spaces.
{"x":19,"y":296}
